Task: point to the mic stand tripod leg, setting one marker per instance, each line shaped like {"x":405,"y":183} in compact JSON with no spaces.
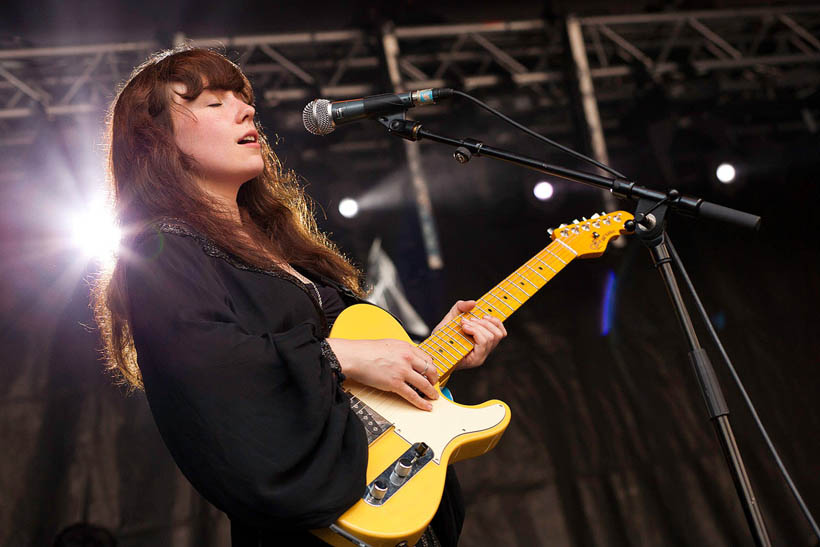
{"x":651,"y":230}
{"x":713,"y":396}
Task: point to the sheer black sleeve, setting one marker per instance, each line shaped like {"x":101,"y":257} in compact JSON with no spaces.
{"x":256,"y":421}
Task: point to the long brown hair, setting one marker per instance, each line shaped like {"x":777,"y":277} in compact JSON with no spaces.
{"x":151,"y":178}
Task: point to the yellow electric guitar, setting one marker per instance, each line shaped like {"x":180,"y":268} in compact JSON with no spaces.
{"x":409,"y":449}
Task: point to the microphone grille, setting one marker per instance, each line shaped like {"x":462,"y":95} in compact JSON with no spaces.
{"x":317,"y":118}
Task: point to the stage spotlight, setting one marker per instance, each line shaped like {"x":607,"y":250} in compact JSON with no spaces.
{"x":543,"y":190}
{"x":95,"y":234}
{"x":348,"y":207}
{"x":725,"y":173}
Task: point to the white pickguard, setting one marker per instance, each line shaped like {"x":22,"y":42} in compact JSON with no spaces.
{"x":437,"y":427}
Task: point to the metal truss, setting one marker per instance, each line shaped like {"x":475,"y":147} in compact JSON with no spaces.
{"x":702,"y":41}
{"x":524,"y":67}
{"x":757,"y":53}
{"x":748,"y":49}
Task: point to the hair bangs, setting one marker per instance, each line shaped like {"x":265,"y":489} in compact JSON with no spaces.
{"x":201,"y":69}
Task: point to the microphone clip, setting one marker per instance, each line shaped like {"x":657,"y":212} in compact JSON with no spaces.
{"x":396,"y":124}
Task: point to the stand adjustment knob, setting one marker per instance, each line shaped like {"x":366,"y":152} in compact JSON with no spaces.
{"x":462,"y":155}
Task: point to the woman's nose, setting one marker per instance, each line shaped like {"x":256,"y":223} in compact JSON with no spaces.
{"x":246,"y":112}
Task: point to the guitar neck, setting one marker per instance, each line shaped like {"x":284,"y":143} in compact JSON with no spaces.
{"x":450,"y":344}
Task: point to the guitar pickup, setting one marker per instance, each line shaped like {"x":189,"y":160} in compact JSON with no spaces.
{"x":397,"y":474}
{"x":374,"y":423}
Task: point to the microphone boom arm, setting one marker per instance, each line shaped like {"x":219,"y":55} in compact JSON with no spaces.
{"x":622,"y":188}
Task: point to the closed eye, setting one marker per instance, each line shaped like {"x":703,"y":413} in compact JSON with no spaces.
{"x":215,"y":104}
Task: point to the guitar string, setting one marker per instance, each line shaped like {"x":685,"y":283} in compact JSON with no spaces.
{"x":454,"y":323}
{"x":381,"y":395}
{"x":490,"y":293}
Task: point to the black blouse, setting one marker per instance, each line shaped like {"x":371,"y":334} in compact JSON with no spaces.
{"x":236,"y":372}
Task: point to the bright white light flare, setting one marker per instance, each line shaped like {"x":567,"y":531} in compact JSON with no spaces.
{"x":543,"y":190}
{"x":95,"y":233}
{"x":725,"y":173}
{"x":348,"y":207}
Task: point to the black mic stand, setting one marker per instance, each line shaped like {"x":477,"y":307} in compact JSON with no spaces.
{"x":650,"y":227}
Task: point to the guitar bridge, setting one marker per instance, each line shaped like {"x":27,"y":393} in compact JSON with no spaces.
{"x":397,"y":474}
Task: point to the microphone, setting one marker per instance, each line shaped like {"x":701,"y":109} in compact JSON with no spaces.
{"x":321,"y":116}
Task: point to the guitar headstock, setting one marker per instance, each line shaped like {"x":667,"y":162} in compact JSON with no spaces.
{"x":589,"y":237}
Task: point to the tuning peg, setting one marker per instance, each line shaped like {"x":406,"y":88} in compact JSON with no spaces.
{"x":561,"y":225}
{"x":575,"y":221}
{"x":603,"y":213}
{"x":596,"y":215}
{"x":550,"y":230}
{"x":584,"y":219}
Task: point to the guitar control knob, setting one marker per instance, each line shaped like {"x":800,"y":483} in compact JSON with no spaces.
{"x":378,"y":489}
{"x":403,"y":467}
{"x":401,"y":471}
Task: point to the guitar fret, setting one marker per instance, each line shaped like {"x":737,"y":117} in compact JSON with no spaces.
{"x":489,"y":310}
{"x":561,"y":250}
{"x":516,"y":287}
{"x":506,"y":291}
{"x":519,"y":288}
{"x":545,"y":264}
{"x":456,"y":357}
{"x":536,"y":273}
{"x":460,"y":336}
{"x":555,"y":255}
{"x":502,"y":301}
{"x":441,"y":367}
{"x":527,"y":279}
{"x":568,"y":247}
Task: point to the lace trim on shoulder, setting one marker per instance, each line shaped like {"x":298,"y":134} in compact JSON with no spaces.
{"x":177,"y":227}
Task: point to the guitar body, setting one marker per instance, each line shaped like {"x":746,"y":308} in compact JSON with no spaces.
{"x":452,"y":431}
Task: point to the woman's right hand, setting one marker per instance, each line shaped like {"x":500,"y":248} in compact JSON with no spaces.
{"x":389,"y":365}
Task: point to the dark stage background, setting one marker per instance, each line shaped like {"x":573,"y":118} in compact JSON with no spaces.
{"x":609,"y":442}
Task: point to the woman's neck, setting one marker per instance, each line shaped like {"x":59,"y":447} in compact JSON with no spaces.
{"x":225,"y":199}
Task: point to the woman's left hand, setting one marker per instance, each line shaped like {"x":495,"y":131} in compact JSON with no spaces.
{"x":485,"y":332}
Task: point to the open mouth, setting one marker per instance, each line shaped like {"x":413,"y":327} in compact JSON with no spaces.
{"x":250,"y":138}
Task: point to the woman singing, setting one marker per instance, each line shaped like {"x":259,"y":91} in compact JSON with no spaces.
{"x":221,"y":303}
